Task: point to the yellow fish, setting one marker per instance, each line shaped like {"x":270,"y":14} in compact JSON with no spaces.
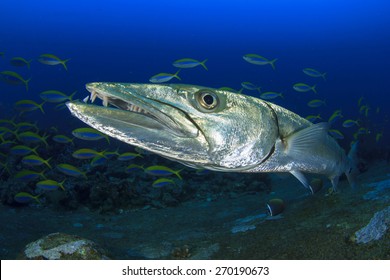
{"x":259,"y":60}
{"x":51,"y":59}
{"x":20,"y":62}
{"x":314,"y":73}
{"x":13,"y":78}
{"x":164,"y":77}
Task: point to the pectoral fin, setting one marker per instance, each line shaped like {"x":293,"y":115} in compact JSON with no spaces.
{"x":297,"y":144}
{"x":301,"y":178}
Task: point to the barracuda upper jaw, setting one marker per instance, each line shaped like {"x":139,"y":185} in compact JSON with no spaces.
{"x":135,"y":99}
{"x":109,"y":99}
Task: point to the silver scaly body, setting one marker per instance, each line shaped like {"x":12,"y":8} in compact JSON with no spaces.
{"x":214,"y":129}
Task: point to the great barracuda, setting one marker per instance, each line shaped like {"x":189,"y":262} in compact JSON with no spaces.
{"x":214,"y":129}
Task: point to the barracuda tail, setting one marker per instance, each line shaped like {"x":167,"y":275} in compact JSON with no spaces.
{"x":353,"y":170}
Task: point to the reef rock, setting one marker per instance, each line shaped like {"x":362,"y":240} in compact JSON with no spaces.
{"x":376,"y":228}
{"x":61,"y":246}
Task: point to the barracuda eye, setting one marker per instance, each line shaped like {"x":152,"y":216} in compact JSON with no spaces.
{"x":207,"y":99}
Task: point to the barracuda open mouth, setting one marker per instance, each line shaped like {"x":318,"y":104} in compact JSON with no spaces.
{"x":142,"y":111}
{"x":143,"y":115}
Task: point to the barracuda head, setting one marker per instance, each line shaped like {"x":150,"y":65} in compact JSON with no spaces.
{"x":197,"y":126}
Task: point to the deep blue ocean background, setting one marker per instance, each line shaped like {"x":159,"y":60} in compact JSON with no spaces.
{"x":129,"y":41}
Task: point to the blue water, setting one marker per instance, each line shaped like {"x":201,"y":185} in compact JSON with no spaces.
{"x":130,"y":41}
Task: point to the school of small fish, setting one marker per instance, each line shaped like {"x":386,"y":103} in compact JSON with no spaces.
{"x":24,"y":142}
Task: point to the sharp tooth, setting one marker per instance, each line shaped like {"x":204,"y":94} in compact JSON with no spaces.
{"x":85,"y":100}
{"x":105,"y":101}
{"x":134,"y":108}
{"x":93,"y":96}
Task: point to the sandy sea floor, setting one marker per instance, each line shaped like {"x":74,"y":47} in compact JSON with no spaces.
{"x":311,"y":227}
